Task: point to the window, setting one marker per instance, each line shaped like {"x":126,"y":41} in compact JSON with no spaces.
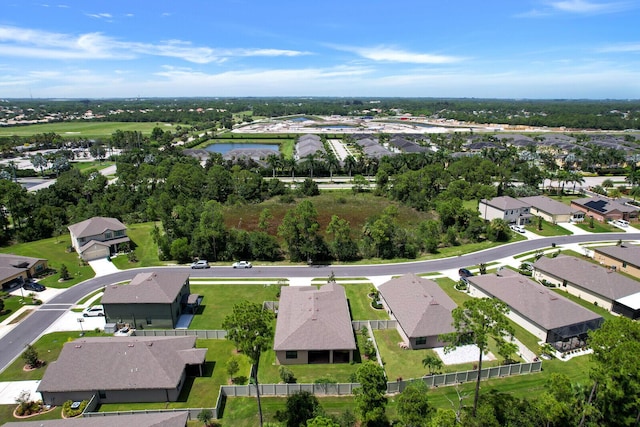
{"x":421,"y":340}
{"x":564,"y":283}
{"x":624,"y":264}
{"x":102,"y":394}
{"x":108,"y":235}
{"x":291,"y":355}
{"x":119,"y":233}
{"x":149,"y":320}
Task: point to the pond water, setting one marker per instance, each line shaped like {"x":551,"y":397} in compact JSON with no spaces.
{"x":225,"y":147}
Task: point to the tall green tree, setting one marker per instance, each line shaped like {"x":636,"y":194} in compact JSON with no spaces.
{"x":300,"y":408}
{"x":342,"y":247}
{"x":250,"y":328}
{"x":478,"y":321}
{"x":300,"y":230}
{"x":616,"y":371}
{"x":370,"y":396}
{"x":413,"y":407}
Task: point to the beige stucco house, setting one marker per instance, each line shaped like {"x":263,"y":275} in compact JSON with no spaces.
{"x":314,"y":326}
{"x":16,"y":269}
{"x":97,"y":237}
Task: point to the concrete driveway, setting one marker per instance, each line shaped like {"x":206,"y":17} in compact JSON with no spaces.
{"x":103,"y":267}
{"x":9,"y":391}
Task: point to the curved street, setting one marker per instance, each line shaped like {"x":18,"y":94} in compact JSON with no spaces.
{"x":30,"y":328}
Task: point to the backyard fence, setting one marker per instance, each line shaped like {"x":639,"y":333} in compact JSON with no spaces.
{"x":374,"y":324}
{"x":212,"y":334}
{"x":193,"y":412}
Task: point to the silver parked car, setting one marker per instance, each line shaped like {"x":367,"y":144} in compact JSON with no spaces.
{"x":242,"y":264}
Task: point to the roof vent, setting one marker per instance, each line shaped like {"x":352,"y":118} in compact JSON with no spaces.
{"x":150,"y":343}
{"x":78,"y":346}
{"x":130,"y":345}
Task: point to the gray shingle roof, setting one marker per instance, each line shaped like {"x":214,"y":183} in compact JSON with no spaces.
{"x":592,"y":277}
{"x":505,"y":202}
{"x":603,"y":205}
{"x":147,"y":288}
{"x":314,"y":319}
{"x":95,"y":226}
{"x":545,"y":204}
{"x":627,"y":253}
{"x":17,"y":261}
{"x":159,"y":419}
{"x":532,"y":300}
{"x":421,"y":307}
{"x":126,"y":363}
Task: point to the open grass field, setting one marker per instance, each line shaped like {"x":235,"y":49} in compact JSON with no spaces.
{"x":86,"y":166}
{"x":82,"y":129}
{"x":54,"y":250}
{"x":146,"y":249}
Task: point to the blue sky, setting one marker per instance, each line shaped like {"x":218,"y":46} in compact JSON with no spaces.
{"x":374,"y":48}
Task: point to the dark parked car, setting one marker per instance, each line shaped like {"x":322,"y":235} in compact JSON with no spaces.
{"x":33,"y":286}
{"x":463,"y":272}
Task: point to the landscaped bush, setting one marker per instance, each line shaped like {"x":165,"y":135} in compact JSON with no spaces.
{"x":286,"y":375}
{"x":26,"y":406}
{"x":69,"y":413}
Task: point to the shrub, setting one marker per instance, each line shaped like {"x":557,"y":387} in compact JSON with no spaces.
{"x":286,"y":375}
{"x":30,"y":356}
{"x":68,"y":412}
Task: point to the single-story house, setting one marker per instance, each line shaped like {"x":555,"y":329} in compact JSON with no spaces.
{"x":151,"y":300}
{"x":591,"y":282}
{"x":421,"y":308}
{"x":16,"y":269}
{"x":507,"y":208}
{"x":625,"y":258}
{"x":122,"y":369}
{"x":97,"y":237}
{"x":551,"y":317}
{"x":603,"y":209}
{"x":551,"y":210}
{"x":155,"y":419}
{"x":314,"y":326}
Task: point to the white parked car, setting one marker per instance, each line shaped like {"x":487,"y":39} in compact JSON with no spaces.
{"x":200,"y":264}
{"x":96,"y":310}
{"x":242,"y":264}
{"x":518,"y":228}
{"x":124,"y":332}
{"x":621,"y":223}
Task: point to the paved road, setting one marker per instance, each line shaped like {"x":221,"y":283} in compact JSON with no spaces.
{"x":12,"y":344}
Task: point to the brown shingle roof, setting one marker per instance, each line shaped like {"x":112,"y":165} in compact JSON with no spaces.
{"x":589,"y":276}
{"x":314,"y":319}
{"x":158,"y":419}
{"x":420,"y":305}
{"x":505,"y":202}
{"x":157,"y":287}
{"x":548,"y":205}
{"x":126,"y":363}
{"x":95,"y":226}
{"x":532,"y":300}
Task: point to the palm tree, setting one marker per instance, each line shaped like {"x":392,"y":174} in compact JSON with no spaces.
{"x":350,"y":164}
{"x":310,"y":162}
{"x":432,"y":362}
{"x":332,"y":163}
{"x":274,"y":162}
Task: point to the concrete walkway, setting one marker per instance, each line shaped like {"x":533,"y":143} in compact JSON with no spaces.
{"x":9,"y":391}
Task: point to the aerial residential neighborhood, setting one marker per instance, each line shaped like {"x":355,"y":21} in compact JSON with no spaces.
{"x":204,"y":287}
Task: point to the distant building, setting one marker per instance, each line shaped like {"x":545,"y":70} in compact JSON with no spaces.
{"x":506,"y":208}
{"x":603,"y":209}
{"x":97,"y":237}
{"x":551,"y":210}
{"x":150,"y":300}
{"x":590,"y":282}
{"x":421,"y":307}
{"x":625,"y":258}
{"x":314,"y":326}
{"x":122,"y":369}
{"x":551,"y":317}
{"x":16,"y":269}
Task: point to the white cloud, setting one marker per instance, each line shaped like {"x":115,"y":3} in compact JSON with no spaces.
{"x":391,"y":54}
{"x":30,"y":43}
{"x":106,"y":16}
{"x":589,"y":7}
{"x":620,"y":48}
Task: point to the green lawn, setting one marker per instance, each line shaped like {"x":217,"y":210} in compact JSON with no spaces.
{"x":12,"y":304}
{"x":305,"y":374}
{"x":6,"y":414}
{"x":85,"y":166}
{"x":598,"y":227}
{"x":198,"y":392}
{"x":360,"y":303}
{"x":219,"y":300}
{"x":146,"y":249}
{"x":48,"y":348}
{"x":83,"y":129}
{"x":548,"y":229}
{"x":54,"y":250}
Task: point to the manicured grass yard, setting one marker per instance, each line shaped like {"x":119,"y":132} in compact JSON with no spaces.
{"x":548,"y":229}
{"x":598,"y":227}
{"x":219,"y":300}
{"x":12,"y":304}
{"x":199,"y":392}
{"x":55,"y":251}
{"x":83,"y":129}
{"x":48,"y":347}
{"x":305,"y":374}
{"x":6,"y":414}
{"x":146,"y":249}
{"x":360,"y":303}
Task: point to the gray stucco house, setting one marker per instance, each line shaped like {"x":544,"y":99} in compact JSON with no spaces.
{"x":421,"y":307}
{"x":551,"y":317}
{"x":314,"y":326}
{"x":97,"y":237}
{"x":506,"y":208}
{"x":150,"y":300}
{"x":16,"y":269}
{"x":122,"y":369}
